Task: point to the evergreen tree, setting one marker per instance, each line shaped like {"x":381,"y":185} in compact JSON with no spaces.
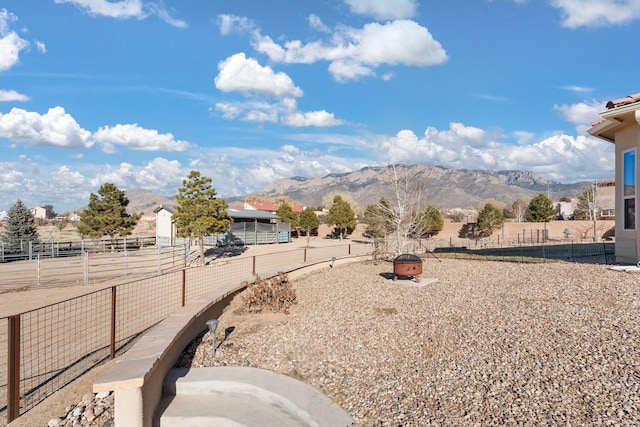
{"x":106,"y":214}
{"x":490,"y":219}
{"x":308,"y":222}
{"x":287,"y":214}
{"x":342,"y":216}
{"x":199,"y":211}
{"x":429,"y":222}
{"x":20,"y":228}
{"x":540,"y":209}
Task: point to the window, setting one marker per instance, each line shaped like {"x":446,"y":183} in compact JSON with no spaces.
{"x":629,"y":190}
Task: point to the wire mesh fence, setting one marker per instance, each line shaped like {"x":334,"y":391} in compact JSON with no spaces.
{"x":92,"y":266}
{"x":49,"y":347}
{"x":17,"y":250}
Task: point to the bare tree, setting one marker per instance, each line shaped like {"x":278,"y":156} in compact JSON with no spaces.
{"x":403,"y":209}
{"x":520,"y":210}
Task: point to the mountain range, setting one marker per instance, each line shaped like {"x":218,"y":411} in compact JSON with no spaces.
{"x":442,"y":188}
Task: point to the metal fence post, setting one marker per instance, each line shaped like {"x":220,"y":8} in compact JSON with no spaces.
{"x":113,"y":323}
{"x":38,"y":269}
{"x":86,"y":267}
{"x":184,"y":286}
{"x":159,"y":260}
{"x":13,"y":365}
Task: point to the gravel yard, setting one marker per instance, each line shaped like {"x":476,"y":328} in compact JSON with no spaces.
{"x":489,"y":343}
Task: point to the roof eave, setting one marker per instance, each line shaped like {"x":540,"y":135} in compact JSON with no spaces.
{"x":604,"y":129}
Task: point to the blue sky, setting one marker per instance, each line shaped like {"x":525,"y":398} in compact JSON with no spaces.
{"x":138,"y":93}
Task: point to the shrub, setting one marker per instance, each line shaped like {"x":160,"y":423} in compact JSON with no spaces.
{"x":273,"y":294}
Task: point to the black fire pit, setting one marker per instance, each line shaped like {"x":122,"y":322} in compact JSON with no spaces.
{"x":407,"y":265}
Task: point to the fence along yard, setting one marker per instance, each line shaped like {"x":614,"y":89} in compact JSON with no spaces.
{"x":57,"y":343}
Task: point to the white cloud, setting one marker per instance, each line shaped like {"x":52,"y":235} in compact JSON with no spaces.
{"x":560,"y":157}
{"x":581,"y":114}
{"x":64,"y":177}
{"x":135,"y":137}
{"x":125,"y":9}
{"x":578,"y":89}
{"x":353,"y":53}
{"x":241,"y":74}
{"x":597,"y":13}
{"x":118,"y":9}
{"x":234,"y":24}
{"x":320,"y":118}
{"x":12,"y":95}
{"x":11,"y":43}
{"x":54,"y":128}
{"x":383,"y":10}
{"x":284,"y":111}
{"x":42,"y":48}
{"x":316,"y":23}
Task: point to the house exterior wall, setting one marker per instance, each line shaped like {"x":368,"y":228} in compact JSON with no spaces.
{"x":626,"y":240}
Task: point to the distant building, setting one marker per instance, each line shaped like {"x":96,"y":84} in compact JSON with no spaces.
{"x":249,"y":227}
{"x":41,"y":213}
{"x":566,"y":210}
{"x":606,"y":197}
{"x":4,"y":216}
{"x":165,"y":226}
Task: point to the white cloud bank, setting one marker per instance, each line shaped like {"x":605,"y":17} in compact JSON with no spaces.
{"x":57,"y":128}
{"x":560,"y":157}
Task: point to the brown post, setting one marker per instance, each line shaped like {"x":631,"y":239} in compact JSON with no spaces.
{"x":349,"y":253}
{"x":305,"y":255}
{"x":13,"y":383}
{"x":113,"y":322}
{"x":184,"y":286}
{"x":254,"y":265}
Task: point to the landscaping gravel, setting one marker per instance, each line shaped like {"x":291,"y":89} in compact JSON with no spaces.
{"x":487,"y":343}
{"x":482,"y":344}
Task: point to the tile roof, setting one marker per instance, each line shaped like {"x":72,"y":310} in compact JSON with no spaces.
{"x":623,"y":101}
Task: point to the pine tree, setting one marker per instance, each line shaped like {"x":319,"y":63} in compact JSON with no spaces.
{"x":20,"y":228}
{"x":106,"y":214}
{"x":429,"y":222}
{"x":342,"y":216}
{"x":199,"y":211}
{"x":490,"y":219}
{"x":540,"y":209}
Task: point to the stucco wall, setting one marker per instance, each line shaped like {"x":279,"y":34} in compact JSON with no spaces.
{"x":626,"y":240}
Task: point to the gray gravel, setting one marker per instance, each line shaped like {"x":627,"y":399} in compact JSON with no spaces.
{"x":488,"y":343}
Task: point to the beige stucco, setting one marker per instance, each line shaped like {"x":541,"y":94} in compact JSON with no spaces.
{"x":621,"y":127}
